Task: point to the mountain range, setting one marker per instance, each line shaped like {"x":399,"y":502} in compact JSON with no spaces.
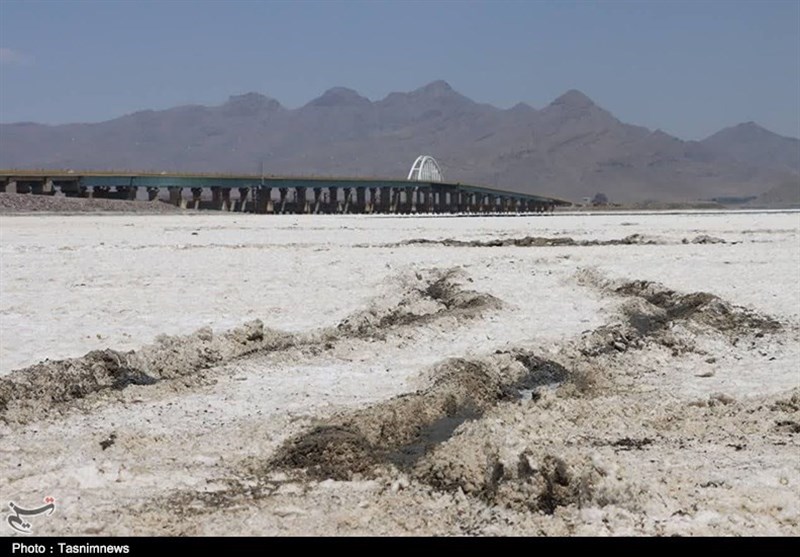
{"x":571,"y":148}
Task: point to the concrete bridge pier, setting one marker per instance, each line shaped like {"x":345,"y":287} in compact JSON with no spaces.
{"x":454,"y":203}
{"x":413,"y":200}
{"x":175,"y":195}
{"x":301,"y":205}
{"x":73,"y":189}
{"x":333,"y":200}
{"x":152,"y":194}
{"x":242,"y":203}
{"x":426,"y":200}
{"x":127,"y":192}
{"x":410,"y":204}
{"x":225,"y":194}
{"x":40,"y":188}
{"x":93,"y":192}
{"x":384,"y":206}
{"x":439,"y":203}
{"x":373,"y":200}
{"x":361,"y":200}
{"x":197,"y":196}
{"x":399,"y":200}
{"x":348,"y":192}
{"x":283,"y":192}
{"x":404,"y":206}
{"x":263,"y":201}
{"x":317,"y":200}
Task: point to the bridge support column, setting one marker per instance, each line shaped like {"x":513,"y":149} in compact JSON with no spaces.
{"x":37,"y":188}
{"x":426,"y":200}
{"x":373,"y":200}
{"x":386,"y":200}
{"x":175,"y":195}
{"x":317,"y":200}
{"x":282,"y":203}
{"x":226,"y":199}
{"x":72,"y":189}
{"x":333,"y":200}
{"x":126,"y":192}
{"x":152,"y":194}
{"x":263,"y":203}
{"x":23,"y":186}
{"x":197,"y":194}
{"x":400,"y":206}
{"x":361,"y":200}
{"x":347,"y":200}
{"x":243,"y":192}
{"x":301,"y":205}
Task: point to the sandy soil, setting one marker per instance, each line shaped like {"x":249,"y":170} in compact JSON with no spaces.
{"x":249,"y":375}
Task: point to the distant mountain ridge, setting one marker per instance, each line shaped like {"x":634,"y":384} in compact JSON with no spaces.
{"x":572,"y":148}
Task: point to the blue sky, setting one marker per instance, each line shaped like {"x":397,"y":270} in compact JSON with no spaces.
{"x":689,"y":68}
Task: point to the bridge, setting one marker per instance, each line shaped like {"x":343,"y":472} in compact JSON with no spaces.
{"x":424,"y":191}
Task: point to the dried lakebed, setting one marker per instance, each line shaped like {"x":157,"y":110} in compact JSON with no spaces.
{"x":345,"y":378}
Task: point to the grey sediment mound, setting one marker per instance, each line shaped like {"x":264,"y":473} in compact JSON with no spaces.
{"x":421,"y":297}
{"x":448,"y":437}
{"x":428,"y":296}
{"x":11,"y":203}
{"x":403,"y":429}
{"x":533,"y":241}
{"x":567,"y":451}
{"x":651,"y":312}
{"x":704,"y":239}
{"x":41,"y":389}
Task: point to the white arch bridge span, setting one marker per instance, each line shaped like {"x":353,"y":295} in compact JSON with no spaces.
{"x":424,"y":191}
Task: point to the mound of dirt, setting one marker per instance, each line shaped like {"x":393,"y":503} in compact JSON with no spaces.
{"x":44,"y":387}
{"x":533,"y":241}
{"x":27,"y":203}
{"x":402,"y":430}
{"x":419,"y":298}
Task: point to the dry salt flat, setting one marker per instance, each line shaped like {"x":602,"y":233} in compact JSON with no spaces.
{"x":367,"y":309}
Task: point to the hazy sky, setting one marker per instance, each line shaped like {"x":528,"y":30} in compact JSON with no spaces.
{"x":689,"y":68}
